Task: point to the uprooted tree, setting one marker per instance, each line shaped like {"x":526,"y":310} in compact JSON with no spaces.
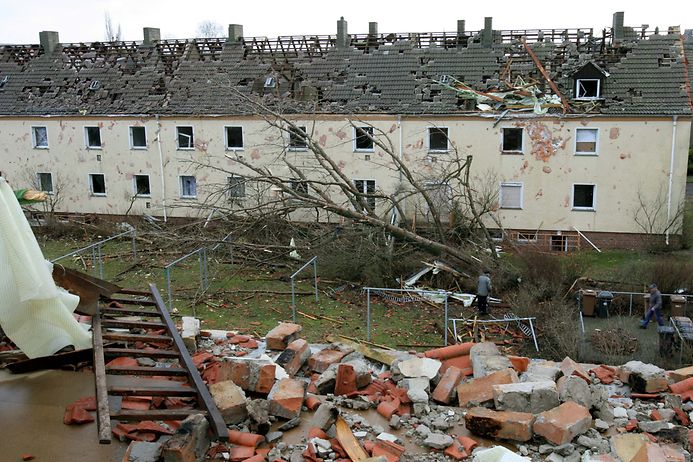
{"x":451,"y":207}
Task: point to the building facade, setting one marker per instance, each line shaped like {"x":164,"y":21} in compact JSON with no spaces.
{"x":575,"y":138}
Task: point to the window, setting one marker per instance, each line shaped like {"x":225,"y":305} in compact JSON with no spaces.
{"x":297,"y":139}
{"x":138,"y":138}
{"x":39,"y":136}
{"x":234,"y":138}
{"x":559,"y":243}
{"x":142,"y":187}
{"x":511,"y":196}
{"x":512,"y":140}
{"x":366,"y":187}
{"x":93,"y":137}
{"x":300,"y":187}
{"x":97,"y":184}
{"x":363,"y":138}
{"x":236,"y":187}
{"x":586,"y":140}
{"x":587,"y":88}
{"x":583,"y":197}
{"x":527,"y":237}
{"x":438,"y":139}
{"x":440,"y":194}
{"x":44,"y":181}
{"x":185,"y":137}
{"x":188,"y":187}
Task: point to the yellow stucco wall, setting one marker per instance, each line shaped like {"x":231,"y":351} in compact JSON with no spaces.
{"x":633,"y":155}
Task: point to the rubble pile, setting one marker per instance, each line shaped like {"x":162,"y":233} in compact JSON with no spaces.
{"x":284,"y":399}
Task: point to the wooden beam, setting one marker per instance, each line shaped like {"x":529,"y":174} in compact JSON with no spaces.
{"x":547,"y":77}
{"x":123,"y":337}
{"x":143,"y":370}
{"x":131,"y":324}
{"x":155,"y":414}
{"x":136,"y":353}
{"x":102,"y":411}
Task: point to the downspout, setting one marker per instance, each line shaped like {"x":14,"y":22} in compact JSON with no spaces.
{"x":671,"y":178}
{"x":399,"y":127}
{"x":161,"y":165}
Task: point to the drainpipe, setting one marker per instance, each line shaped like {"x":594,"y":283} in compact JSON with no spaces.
{"x":671,"y":178}
{"x":161,"y":165}
{"x":399,"y":128}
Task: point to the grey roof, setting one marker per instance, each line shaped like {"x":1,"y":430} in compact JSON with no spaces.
{"x":397,"y":75}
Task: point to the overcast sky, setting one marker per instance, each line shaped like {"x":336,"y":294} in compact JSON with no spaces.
{"x":83,"y":21}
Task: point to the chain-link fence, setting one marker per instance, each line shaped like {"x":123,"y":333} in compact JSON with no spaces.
{"x":105,"y":258}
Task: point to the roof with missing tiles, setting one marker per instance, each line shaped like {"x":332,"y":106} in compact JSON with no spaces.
{"x":392,"y":73}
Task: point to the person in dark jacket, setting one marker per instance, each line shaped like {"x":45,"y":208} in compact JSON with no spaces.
{"x":655,"y":308}
{"x":482,"y":291}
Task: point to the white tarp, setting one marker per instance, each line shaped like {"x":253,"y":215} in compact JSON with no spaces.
{"x":34,"y":313}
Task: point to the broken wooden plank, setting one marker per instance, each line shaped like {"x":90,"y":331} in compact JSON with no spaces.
{"x":547,"y":77}
{"x":155,"y":414}
{"x":382,"y":356}
{"x":102,"y":411}
{"x":349,"y":442}
{"x":117,"y":310}
{"x":135,"y":337}
{"x":130,"y":324}
{"x":143,"y":370}
{"x":137,"y":353}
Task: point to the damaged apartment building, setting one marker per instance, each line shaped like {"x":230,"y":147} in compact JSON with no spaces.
{"x":580,"y":136}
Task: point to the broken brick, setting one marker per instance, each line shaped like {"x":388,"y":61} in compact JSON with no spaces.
{"x":241,"y":453}
{"x":456,"y":451}
{"x":452,"y":351}
{"x":200,"y":358}
{"x":683,"y":388}
{"x":480,"y":390}
{"x":76,"y":415}
{"x":391,"y":451}
{"x":520,"y":363}
{"x":570,"y":367}
{"x":312,"y":403}
{"x":27,"y":457}
{"x":507,"y":425}
{"x":445,"y":390}
{"x":286,"y":398}
{"x":464,"y":363}
{"x":321,"y":360}
{"x":563,"y":423}
{"x":346,"y":380}
{"x":245,"y":439}
{"x":605,"y":374}
{"x":283,"y":334}
{"x":468,"y":443}
{"x":123,"y":361}
{"x":388,"y":408}
{"x":294,"y":356}
{"x":250,"y":375}
{"x":649,"y":452}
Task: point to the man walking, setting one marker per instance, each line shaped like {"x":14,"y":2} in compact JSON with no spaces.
{"x":482,"y":290}
{"x":655,"y":307}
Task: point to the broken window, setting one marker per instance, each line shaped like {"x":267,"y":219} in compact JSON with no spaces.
{"x":363,"y":139}
{"x":583,"y":196}
{"x":587,"y":88}
{"x":559,"y":243}
{"x":366,"y":187}
{"x":93,"y":137}
{"x":512,"y":140}
{"x":586,"y":140}
{"x":236,"y":186}
{"x":142,"y":187}
{"x":188,"y":187}
{"x":138,"y":138}
{"x":438,"y":139}
{"x":44,"y":181}
{"x":511,"y":196}
{"x":300,"y":187}
{"x":97,"y":184}
{"x":185,"y":137}
{"x":297,"y":139}
{"x":234,"y":138}
{"x":39,"y":136}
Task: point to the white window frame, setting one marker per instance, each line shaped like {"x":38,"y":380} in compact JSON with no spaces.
{"x":594,"y":198}
{"x":355,"y":136}
{"x":86,"y":137}
{"x":513,"y":184}
{"x":192,"y":144}
{"x":365,"y":191}
{"x":38,"y":182}
{"x":524,"y":240}
{"x":134,"y":185}
{"x":577,"y":88}
{"x":522,"y":140}
{"x":226,"y":138}
{"x":180,"y":185}
{"x":91,"y":185}
{"x":33,"y":137}
{"x":596,"y":146}
{"x":132,"y":138}
{"x":428,"y":139}
{"x":297,"y":148}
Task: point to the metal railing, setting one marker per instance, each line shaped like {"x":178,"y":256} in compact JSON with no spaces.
{"x":314,"y":262}
{"x":630,"y":295}
{"x":96,"y":248}
{"x":382,"y":291}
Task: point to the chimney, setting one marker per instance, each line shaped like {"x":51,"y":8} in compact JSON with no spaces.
{"x":49,"y":41}
{"x":342,"y":35}
{"x":460,"y":27}
{"x":487,"y":33}
{"x":617,"y":28}
{"x":373,"y":29}
{"x":151,"y":35}
{"x":235,"y":33}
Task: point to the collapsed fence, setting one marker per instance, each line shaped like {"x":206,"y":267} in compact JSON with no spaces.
{"x":97,"y":254}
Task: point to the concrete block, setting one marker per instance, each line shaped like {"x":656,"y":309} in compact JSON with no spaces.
{"x":478,"y":391}
{"x":574,"y":388}
{"x":286,"y":398}
{"x":644,"y":378}
{"x":508,"y":425}
{"x":533,"y":397}
{"x":294,"y":356}
{"x":249,"y":374}
{"x":230,"y":400}
{"x":563,"y":423}
{"x":419,"y":367}
{"x":190,"y":443}
{"x":190,"y":330}
{"x":324,"y":417}
{"x":486,"y":359}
